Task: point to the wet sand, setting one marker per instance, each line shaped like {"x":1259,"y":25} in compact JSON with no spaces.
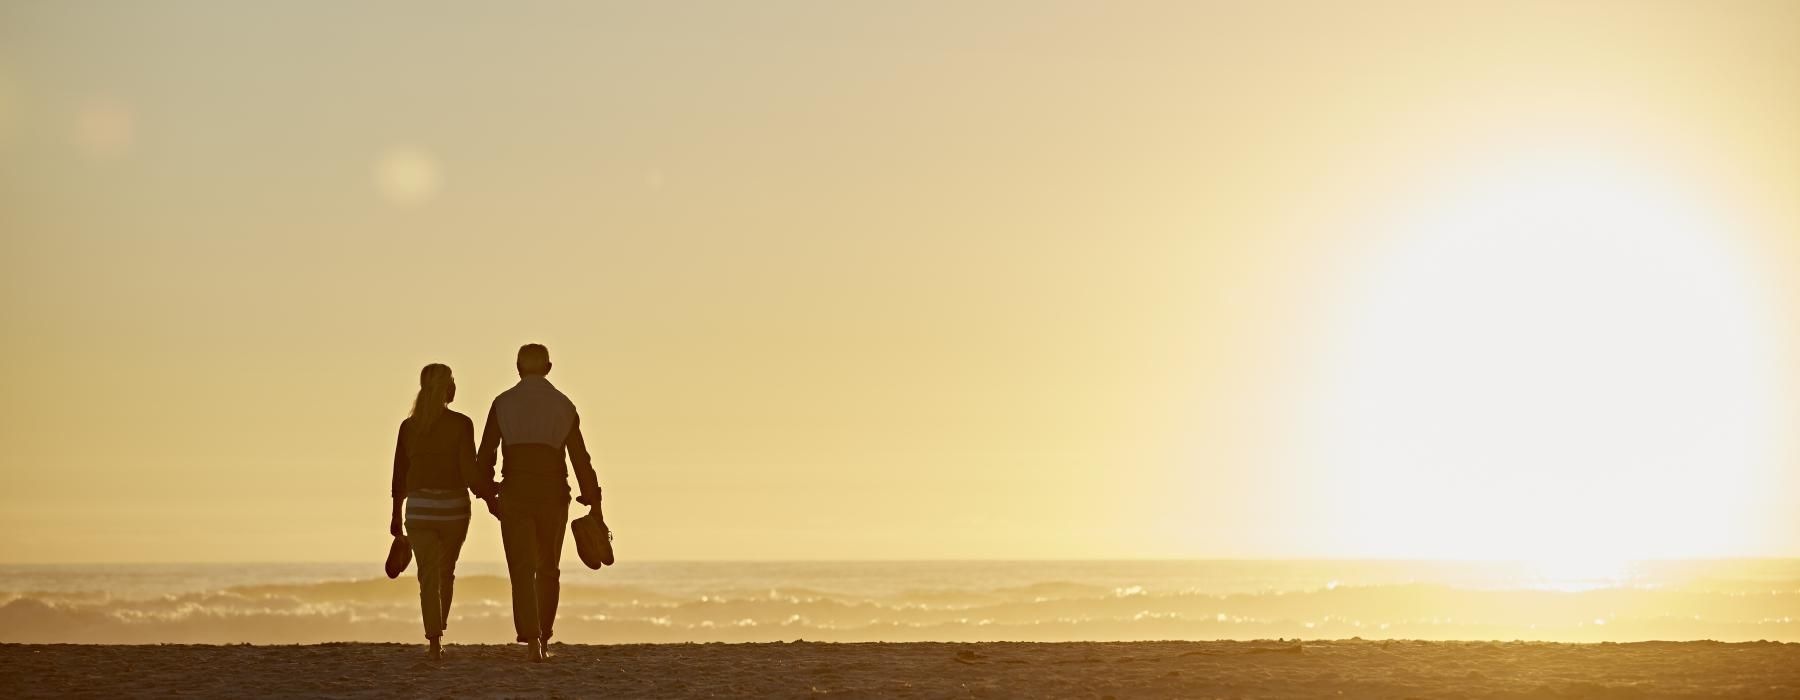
{"x":1271,"y":669}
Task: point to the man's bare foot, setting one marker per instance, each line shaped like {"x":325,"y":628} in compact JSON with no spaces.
{"x":535,"y":649}
{"x":544,"y":644}
{"x":437,"y":651}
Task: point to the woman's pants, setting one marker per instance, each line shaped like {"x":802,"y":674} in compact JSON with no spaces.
{"x":435,"y":546}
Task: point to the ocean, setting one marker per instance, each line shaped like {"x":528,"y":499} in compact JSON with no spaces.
{"x":1726,"y":600}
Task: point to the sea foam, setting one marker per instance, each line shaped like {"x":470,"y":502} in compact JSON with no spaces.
{"x":914,"y":601}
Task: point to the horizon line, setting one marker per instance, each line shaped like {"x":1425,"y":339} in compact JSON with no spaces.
{"x":961,"y":560}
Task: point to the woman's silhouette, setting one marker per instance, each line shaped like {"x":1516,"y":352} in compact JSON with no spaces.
{"x":434,"y":468}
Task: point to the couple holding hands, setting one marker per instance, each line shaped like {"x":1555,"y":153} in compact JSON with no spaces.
{"x":437,"y":466}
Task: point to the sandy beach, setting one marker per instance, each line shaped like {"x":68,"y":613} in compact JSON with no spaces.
{"x":1269,"y":669}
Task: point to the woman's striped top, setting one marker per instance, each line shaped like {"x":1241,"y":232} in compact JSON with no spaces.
{"x":437,"y":504}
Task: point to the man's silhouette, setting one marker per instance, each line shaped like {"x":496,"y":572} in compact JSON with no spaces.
{"x":533,"y":424}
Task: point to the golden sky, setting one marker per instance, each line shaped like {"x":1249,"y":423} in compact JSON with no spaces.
{"x":913,"y":280}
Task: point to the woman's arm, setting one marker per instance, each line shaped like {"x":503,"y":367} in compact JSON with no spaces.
{"x":473,"y":477}
{"x":399,"y":486}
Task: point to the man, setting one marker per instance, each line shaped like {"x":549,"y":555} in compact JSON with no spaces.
{"x":533,"y":424}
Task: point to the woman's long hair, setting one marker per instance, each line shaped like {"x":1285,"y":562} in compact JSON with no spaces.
{"x":436,"y":388}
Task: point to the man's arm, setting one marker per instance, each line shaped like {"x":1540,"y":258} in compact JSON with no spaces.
{"x":489,"y":454}
{"x":583,"y":464}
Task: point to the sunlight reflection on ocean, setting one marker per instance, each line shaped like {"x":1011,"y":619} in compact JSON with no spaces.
{"x":906,"y":601}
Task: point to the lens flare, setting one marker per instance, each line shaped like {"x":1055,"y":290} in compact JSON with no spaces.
{"x":104,"y":128}
{"x":407,"y":176}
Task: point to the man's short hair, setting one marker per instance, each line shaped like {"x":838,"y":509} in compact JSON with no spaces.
{"x":534,"y":359}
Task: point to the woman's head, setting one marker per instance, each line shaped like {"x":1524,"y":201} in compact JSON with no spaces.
{"x":436,"y":390}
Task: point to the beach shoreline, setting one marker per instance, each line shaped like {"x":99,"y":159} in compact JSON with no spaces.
{"x":1256,"y":669}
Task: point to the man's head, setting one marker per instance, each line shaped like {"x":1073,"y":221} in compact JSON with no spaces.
{"x":534,"y":359}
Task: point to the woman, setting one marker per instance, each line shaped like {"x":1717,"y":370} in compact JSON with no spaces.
{"x":434,"y":466}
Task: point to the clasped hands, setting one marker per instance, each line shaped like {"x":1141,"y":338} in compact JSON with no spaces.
{"x":490,"y":494}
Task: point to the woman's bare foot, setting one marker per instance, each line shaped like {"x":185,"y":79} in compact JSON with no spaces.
{"x":437,"y":651}
{"x":535,"y":649}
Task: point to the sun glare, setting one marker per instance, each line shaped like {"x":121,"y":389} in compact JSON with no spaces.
{"x":1557,"y":361}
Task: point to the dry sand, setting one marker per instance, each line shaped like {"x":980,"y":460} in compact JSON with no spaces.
{"x":1274,"y":669}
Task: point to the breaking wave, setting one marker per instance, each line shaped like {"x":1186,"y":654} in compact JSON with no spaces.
{"x":711,"y":608}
